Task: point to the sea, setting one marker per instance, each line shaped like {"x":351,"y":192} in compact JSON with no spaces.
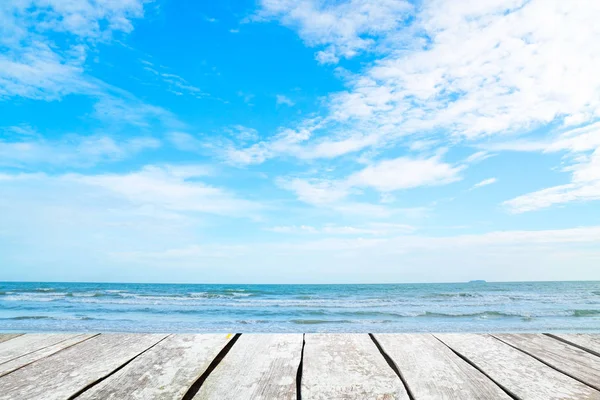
{"x":438,"y":307}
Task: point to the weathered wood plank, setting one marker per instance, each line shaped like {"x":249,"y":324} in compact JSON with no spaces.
{"x":67,"y":372}
{"x":347,"y":366}
{"x":7,"y":336}
{"x":166,"y":371}
{"x":589,"y":342}
{"x":260,"y":366}
{"x":29,"y":343}
{"x":570,"y":360}
{"x":432,"y":371}
{"x":520,"y":374}
{"x":19,"y":362}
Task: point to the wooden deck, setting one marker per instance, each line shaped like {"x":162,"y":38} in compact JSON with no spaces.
{"x":296,"y":366}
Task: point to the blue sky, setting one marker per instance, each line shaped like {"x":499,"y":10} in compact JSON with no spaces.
{"x":299,"y":141}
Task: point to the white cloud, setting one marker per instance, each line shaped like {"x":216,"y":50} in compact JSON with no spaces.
{"x":55,"y":224}
{"x":45,"y":46}
{"x":88,"y":19}
{"x":406,"y":173}
{"x":122,"y":108}
{"x":478,"y":157}
{"x":582,"y":148}
{"x":577,"y":140}
{"x":37,"y":72}
{"x":327,"y":57}
{"x":164,"y":190}
{"x":384,"y":176}
{"x":316,"y":192}
{"x":281,"y":99}
{"x":332,"y":195}
{"x":72,"y":150}
{"x":247,"y":97}
{"x":460,"y":71}
{"x":236,"y":134}
{"x":33,"y":66}
{"x":484,"y":182}
{"x":286,"y":141}
{"x":293,"y":229}
{"x":242,"y":134}
{"x":345,"y":28}
{"x":376,"y":229}
{"x":403,"y":258}
{"x":175,"y":83}
{"x":173,"y":188}
{"x":584,"y":186}
{"x":185,"y":142}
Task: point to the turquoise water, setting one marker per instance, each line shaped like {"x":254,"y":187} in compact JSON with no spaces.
{"x":460,"y":307}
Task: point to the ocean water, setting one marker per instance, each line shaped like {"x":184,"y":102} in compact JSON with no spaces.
{"x":459,"y":307}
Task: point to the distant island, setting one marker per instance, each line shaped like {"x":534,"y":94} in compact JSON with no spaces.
{"x":478,"y":281}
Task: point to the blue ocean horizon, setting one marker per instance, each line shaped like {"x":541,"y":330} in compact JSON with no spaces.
{"x":417,"y":307}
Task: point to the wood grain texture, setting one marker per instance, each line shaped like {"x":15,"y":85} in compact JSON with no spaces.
{"x":29,"y":343}
{"x":259,"y":366}
{"x":568,"y":359}
{"x":164,"y":372}
{"x":347,"y":366}
{"x":27,"y":358}
{"x":432,"y":371}
{"x":589,"y":342}
{"x":7,"y":336}
{"x":65,"y":373}
{"x":522,"y":375}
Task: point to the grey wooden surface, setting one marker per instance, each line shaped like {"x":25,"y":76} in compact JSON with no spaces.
{"x":524,"y":376}
{"x":29,"y":343}
{"x":258,"y":366}
{"x":28,"y":354}
{"x":588,"y":342}
{"x":7,"y":336}
{"x":570,"y":360}
{"x":275,"y":366}
{"x":166,"y":371}
{"x":347,"y":366}
{"x":65,"y":373}
{"x":433,"y":371}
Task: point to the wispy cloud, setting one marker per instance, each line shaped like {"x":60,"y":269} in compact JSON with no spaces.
{"x":281,"y":99}
{"x":458,"y":93}
{"x":122,"y":108}
{"x":246,"y":97}
{"x":384,"y":176}
{"x":347,"y":195}
{"x":406,"y":173}
{"x":344,"y":28}
{"x":581,"y":147}
{"x":478,"y":157}
{"x":164,"y":189}
{"x":584,"y":186}
{"x":484,"y":182}
{"x":36,"y":67}
{"x":185,"y":142}
{"x":174,"y":83}
{"x":71,"y":150}
{"x":405,"y":258}
{"x":375,"y":229}
{"x":204,"y":143}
